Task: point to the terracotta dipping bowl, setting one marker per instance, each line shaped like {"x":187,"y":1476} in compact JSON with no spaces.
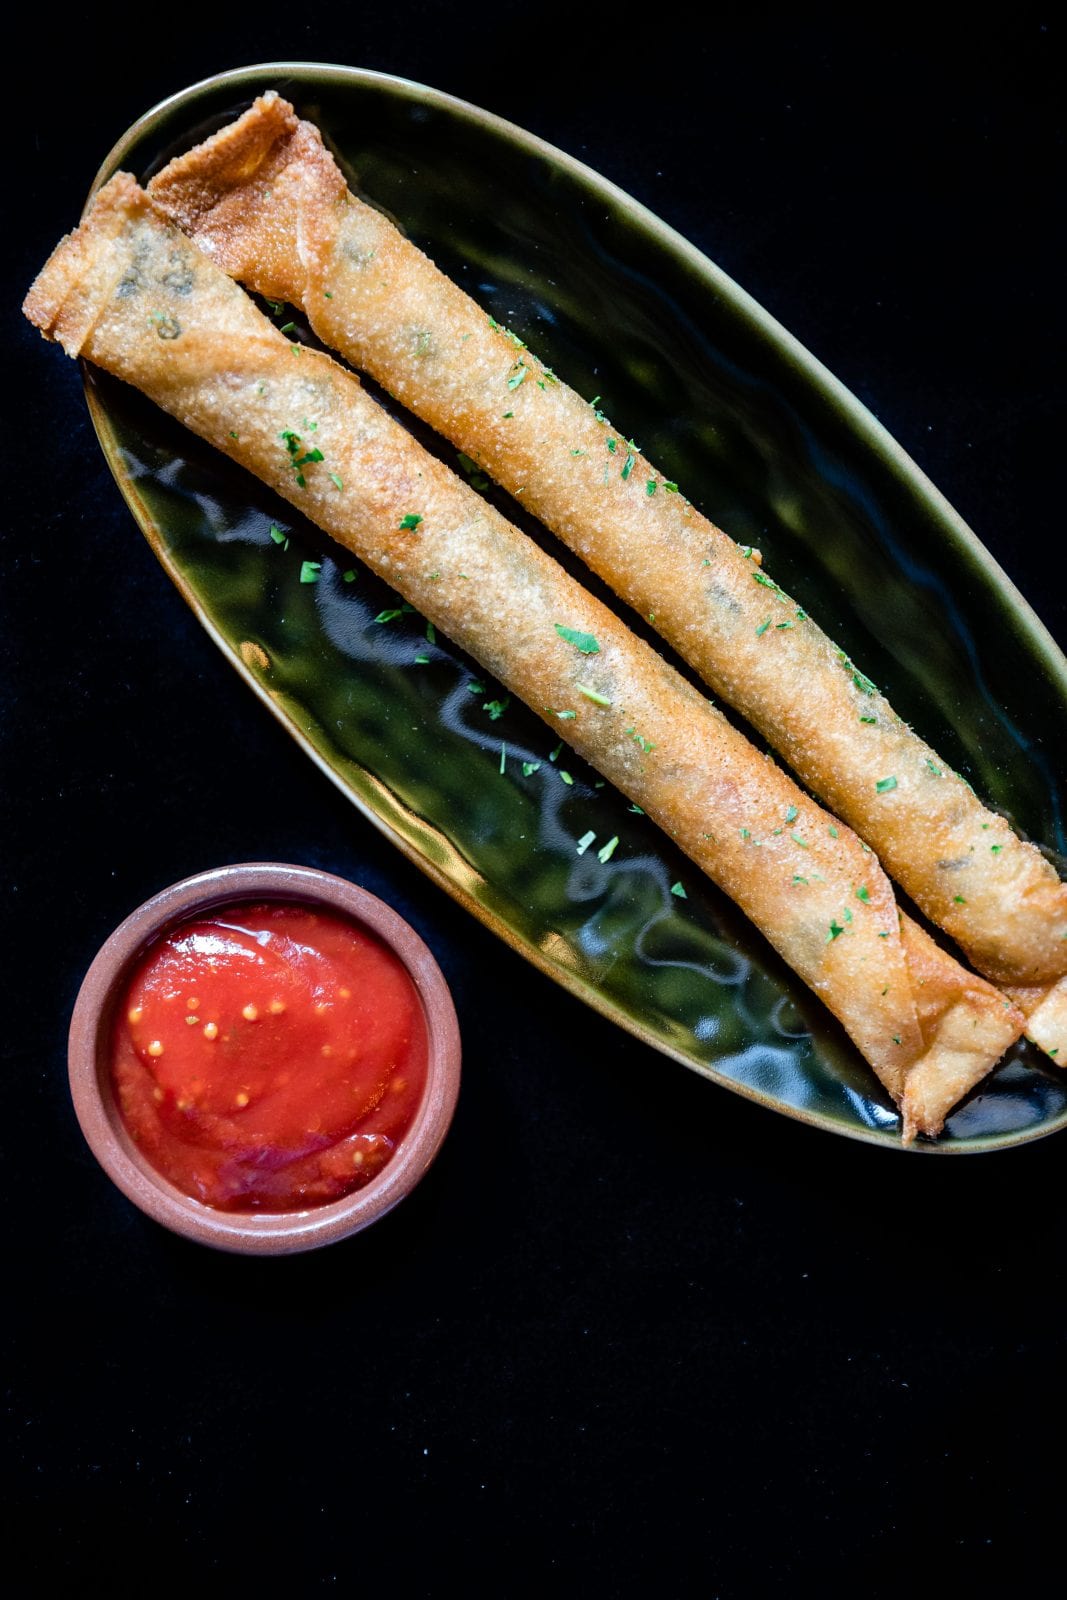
{"x":257,"y":1233}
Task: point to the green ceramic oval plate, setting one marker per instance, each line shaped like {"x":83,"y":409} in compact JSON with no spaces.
{"x":761,"y":438}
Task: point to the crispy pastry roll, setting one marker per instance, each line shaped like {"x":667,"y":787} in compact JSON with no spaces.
{"x":267,"y":200}
{"x":132,"y":294}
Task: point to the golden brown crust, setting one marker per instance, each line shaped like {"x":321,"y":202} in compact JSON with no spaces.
{"x":372,"y":295}
{"x":157,"y":312}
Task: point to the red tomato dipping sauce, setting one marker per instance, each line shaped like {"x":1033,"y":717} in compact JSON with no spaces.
{"x":269,"y":1057}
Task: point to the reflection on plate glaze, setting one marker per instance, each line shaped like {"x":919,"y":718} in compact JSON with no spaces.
{"x":475,"y":791}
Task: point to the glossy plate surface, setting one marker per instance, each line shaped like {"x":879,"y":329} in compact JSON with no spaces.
{"x":762,"y":439}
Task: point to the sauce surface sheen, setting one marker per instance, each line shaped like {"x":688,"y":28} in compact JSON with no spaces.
{"x":269,"y":1057}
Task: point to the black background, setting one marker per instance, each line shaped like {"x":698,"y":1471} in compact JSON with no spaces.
{"x":633,"y":1334}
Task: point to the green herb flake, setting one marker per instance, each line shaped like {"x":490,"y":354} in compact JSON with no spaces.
{"x":592,"y":694}
{"x":309,"y":571}
{"x":873,"y":721}
{"x":995,"y":849}
{"x":566,"y":777}
{"x":409,"y":523}
{"x":957,"y":899}
{"x":605,"y":853}
{"x":931,"y":767}
{"x":792,"y":814}
{"x":496,"y":708}
{"x":422,"y":661}
{"x":583,"y":843}
{"x":832,"y":831}
{"x":503,"y":757}
{"x":287,"y":327}
{"x":628,"y":467}
{"x":677,"y":889}
{"x":798,"y":879}
{"x":517,"y":378}
{"x":530,"y":767}
{"x":864,"y":894}
{"x":638,"y":810}
{"x":671,"y":488}
{"x":350,"y":575}
{"x":276,"y":307}
{"x":896,"y":1038}
{"x":584,"y":642}
{"x":474,"y":687}
{"x":507,"y":415}
{"x":650,"y":486}
{"x":745,"y":833}
{"x":336,"y":480}
{"x":327,"y":294}
{"x":803,"y":843}
{"x":612,"y":444}
{"x":802,"y":615}
{"x":279,"y":536}
{"x":762,"y":629}
{"x":431,"y":633}
{"x":885,"y":785}
{"x":836,"y":930}
{"x":556,"y":751}
{"x":388,"y":616}
{"x":566,"y":716}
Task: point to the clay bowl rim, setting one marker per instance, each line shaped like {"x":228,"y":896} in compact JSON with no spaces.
{"x":262,"y":1233}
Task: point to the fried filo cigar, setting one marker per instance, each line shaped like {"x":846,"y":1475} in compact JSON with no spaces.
{"x":128,"y":291}
{"x":267,"y":200}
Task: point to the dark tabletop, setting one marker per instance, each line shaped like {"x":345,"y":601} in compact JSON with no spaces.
{"x":633,"y":1333}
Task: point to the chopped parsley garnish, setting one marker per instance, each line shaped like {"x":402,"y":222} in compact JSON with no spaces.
{"x":873,"y":720}
{"x":836,"y":930}
{"x":566,"y":777}
{"x":474,"y":687}
{"x":566,"y":716}
{"x":409,"y":523}
{"x":935,"y":770}
{"x":958,"y":900}
{"x":279,"y":536}
{"x":350,"y":575}
{"x":745,"y":833}
{"x":612,"y":445}
{"x":518,"y":375}
{"x":884,"y":785}
{"x":431,"y":633}
{"x":530,"y":767}
{"x":798,"y":879}
{"x":783,"y":624}
{"x":422,"y":661}
{"x":388,"y":616}
{"x":583,"y":843}
{"x":863,"y":893}
{"x":638,"y":810}
{"x":276,"y":307}
{"x":335,"y":479}
{"x":650,"y":486}
{"x":503,"y":757}
{"x":803,"y":843}
{"x":792,"y":814}
{"x":762,"y":629}
{"x":508,"y":414}
{"x":556,"y":751}
{"x":628,"y":467}
{"x":584,"y":642}
{"x":496,"y":708}
{"x":676,"y":889}
{"x":832,"y":831}
{"x":309,"y":571}
{"x":605,"y":853}
{"x":592,"y":694}
{"x":287,"y":327}
{"x":671,"y":488}
{"x":996,"y":849}
{"x":768,"y":583}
